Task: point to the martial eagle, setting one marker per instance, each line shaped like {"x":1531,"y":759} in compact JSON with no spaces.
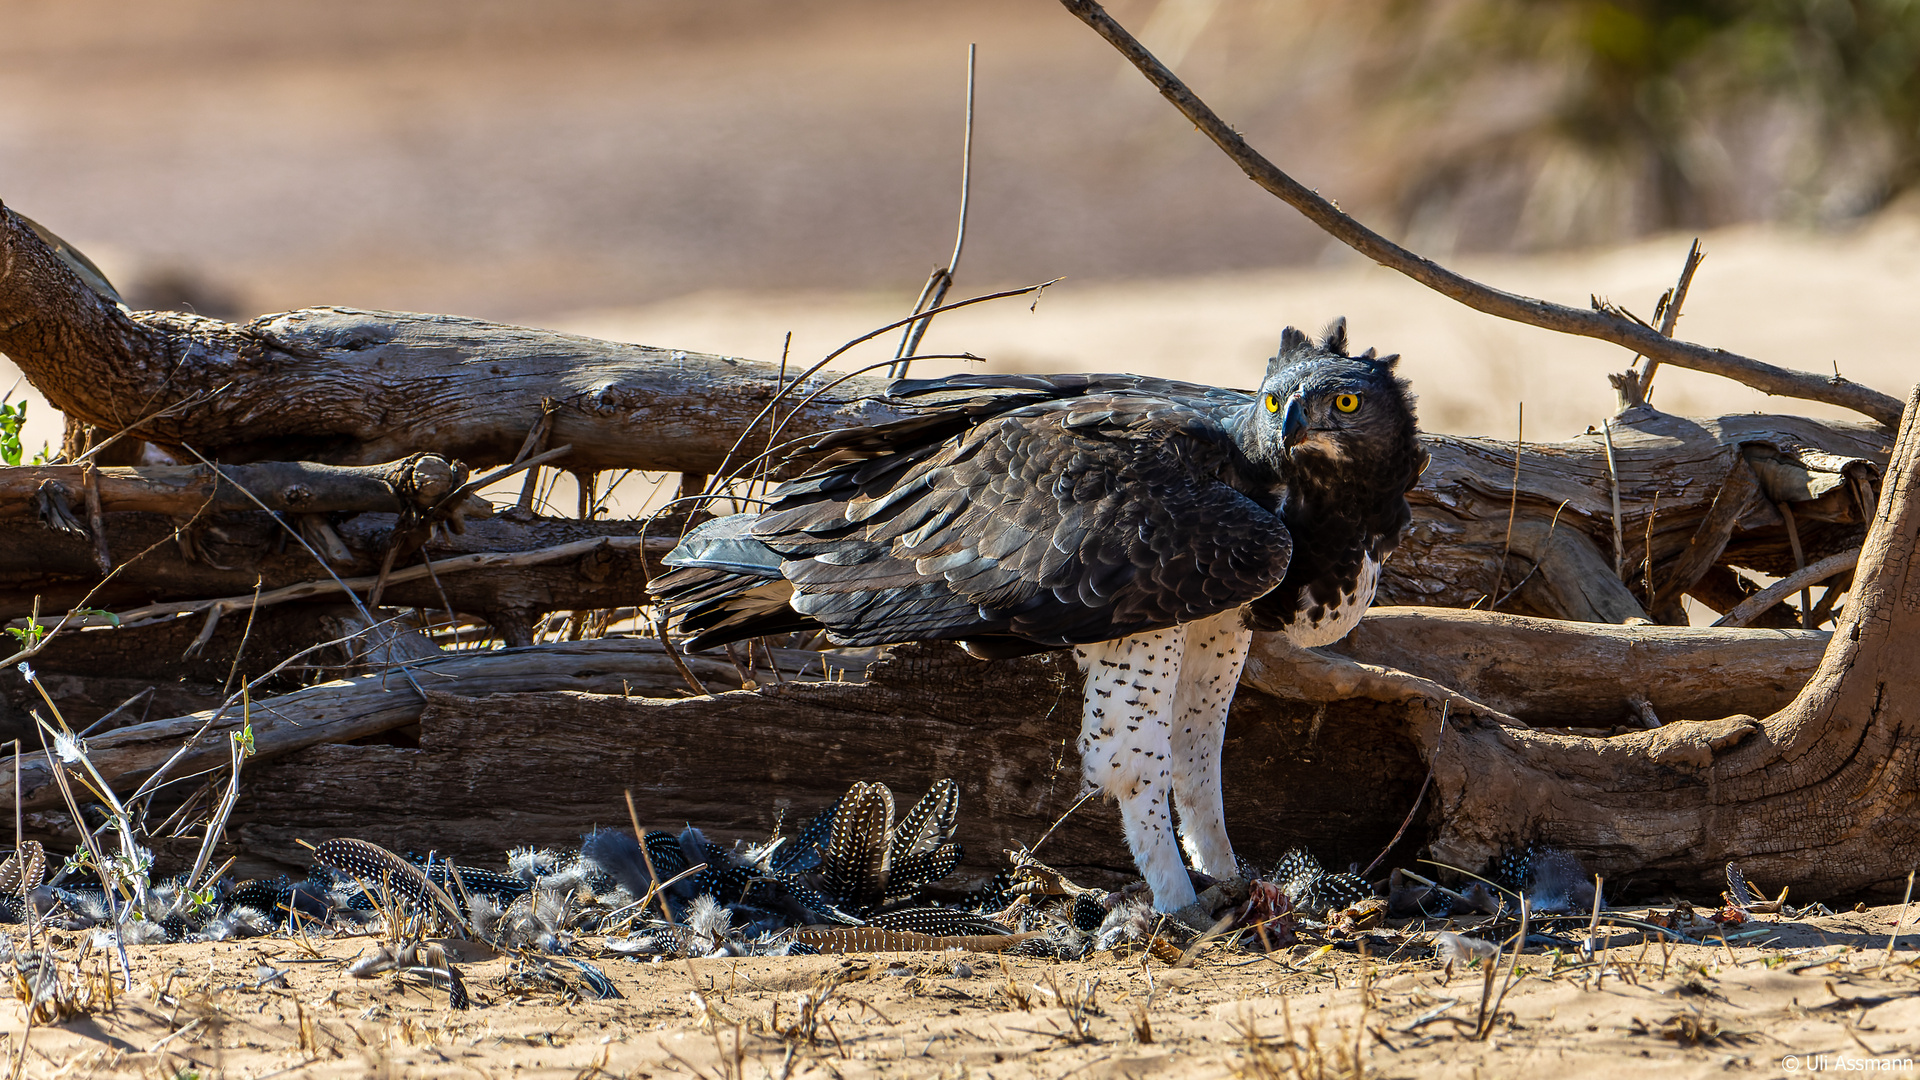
{"x":1148,"y":525}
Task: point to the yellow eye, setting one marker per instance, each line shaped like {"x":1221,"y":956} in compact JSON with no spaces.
{"x":1347,"y":402}
{"x":1272,"y":403}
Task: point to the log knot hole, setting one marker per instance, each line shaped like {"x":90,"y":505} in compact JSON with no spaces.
{"x":425,"y":479}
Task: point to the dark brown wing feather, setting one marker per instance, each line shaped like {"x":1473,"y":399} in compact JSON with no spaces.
{"x":1060,"y":522}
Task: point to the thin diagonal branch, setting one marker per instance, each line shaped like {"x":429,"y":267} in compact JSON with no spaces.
{"x":935,"y":292}
{"x":1542,"y":313}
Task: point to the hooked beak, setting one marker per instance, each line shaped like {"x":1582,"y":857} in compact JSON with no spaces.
{"x":1293,"y":424}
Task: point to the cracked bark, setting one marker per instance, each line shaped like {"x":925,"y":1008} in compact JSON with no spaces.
{"x":1822,"y":793}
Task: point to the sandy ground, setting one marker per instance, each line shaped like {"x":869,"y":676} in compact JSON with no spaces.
{"x":1784,"y":997}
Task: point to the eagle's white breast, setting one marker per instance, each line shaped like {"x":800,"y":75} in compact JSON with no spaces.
{"x":1339,"y":618}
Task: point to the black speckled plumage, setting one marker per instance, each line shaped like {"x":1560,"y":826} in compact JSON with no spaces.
{"x":265,"y":895}
{"x":375,"y":868}
{"x":1313,"y":890}
{"x":859,"y":848}
{"x":1088,"y":913}
{"x":936,"y":921}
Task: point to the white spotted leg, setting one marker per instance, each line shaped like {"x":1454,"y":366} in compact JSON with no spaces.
{"x":1216,"y":651}
{"x":1126,"y":749}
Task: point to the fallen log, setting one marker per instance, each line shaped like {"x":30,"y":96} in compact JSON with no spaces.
{"x":509,"y":569}
{"x":1319,"y":764}
{"x":350,"y":387}
{"x":1669,"y":471}
{"x":1823,"y":793}
{"x":735,"y":763}
{"x":346,"y":709}
{"x":1752,"y":606}
{"x":1559,"y":674}
{"x":295,"y":487}
{"x":1820,"y":795}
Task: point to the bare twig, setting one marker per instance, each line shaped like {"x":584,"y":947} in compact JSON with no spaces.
{"x":217,"y":821}
{"x":1613,"y":483}
{"x":721,"y":475}
{"x":1651,"y":511}
{"x":1670,"y":318}
{"x":246,"y":634}
{"x":496,"y":476}
{"x":536,"y":439}
{"x":96,"y":521}
{"x":679,"y":662}
{"x":317,"y":557}
{"x":1513,"y":506}
{"x":1488,"y":1016}
{"x":1545,"y":314}
{"x":1077,"y":804}
{"x":1432,"y":761}
{"x":1908,"y":899}
{"x":306,"y":590}
{"x":1799,"y":563}
{"x":935,"y":290}
{"x":1750,"y":608}
{"x":183,"y":403}
{"x":640,"y":838}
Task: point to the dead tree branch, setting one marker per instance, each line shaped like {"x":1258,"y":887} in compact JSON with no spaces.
{"x":298,"y":487}
{"x":348,"y":387}
{"x":348,"y":709}
{"x":1633,"y":335}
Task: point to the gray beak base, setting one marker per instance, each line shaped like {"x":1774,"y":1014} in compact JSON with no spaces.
{"x":1293,"y":424}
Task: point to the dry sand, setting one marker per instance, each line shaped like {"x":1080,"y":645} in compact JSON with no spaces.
{"x":1812,"y":990}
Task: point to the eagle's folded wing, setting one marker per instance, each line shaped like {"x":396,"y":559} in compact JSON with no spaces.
{"x":1063,"y":521}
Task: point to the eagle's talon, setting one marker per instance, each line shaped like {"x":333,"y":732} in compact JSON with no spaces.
{"x":1197,"y":916}
{"x":1230,"y":892}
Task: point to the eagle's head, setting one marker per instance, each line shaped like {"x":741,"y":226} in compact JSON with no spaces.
{"x":1322,"y":414}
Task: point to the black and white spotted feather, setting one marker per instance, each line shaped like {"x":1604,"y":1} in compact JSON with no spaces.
{"x":1311,"y":889}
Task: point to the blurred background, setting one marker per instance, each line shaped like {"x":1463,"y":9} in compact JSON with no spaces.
{"x":716,"y":175}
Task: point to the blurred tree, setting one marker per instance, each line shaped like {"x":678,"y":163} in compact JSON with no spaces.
{"x":1604,"y":118}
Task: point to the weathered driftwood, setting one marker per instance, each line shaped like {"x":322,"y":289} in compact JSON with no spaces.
{"x":1822,"y":793}
{"x":1325,"y":765}
{"x":1818,"y":795}
{"x":484,"y":775}
{"x":1553,"y":553}
{"x":507,"y":569}
{"x":1328,"y":765}
{"x":1671,"y":471}
{"x":296,"y":487}
{"x":360,"y":387}
{"x":347,"y":709}
{"x":1830,"y":567}
{"x":1562,"y":674}
{"x":351,"y":387}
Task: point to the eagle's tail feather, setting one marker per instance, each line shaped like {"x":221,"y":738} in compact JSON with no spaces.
{"x":726,"y":586}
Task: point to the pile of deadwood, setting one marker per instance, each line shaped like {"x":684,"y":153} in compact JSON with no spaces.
{"x":289,"y":504}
